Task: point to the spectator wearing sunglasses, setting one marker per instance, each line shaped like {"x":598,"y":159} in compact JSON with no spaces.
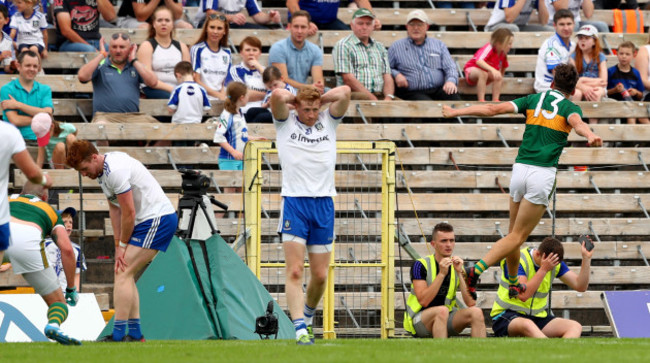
{"x":211,"y":58}
{"x":134,"y":14}
{"x":116,"y":79}
{"x":234,"y":13}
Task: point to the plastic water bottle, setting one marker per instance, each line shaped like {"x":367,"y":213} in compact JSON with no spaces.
{"x":626,"y":94}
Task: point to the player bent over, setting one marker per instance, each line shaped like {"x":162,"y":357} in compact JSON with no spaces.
{"x":31,"y":220}
{"x":527,"y":314}
{"x":306,"y":139}
{"x":550,"y":116}
{"x":431,"y":307}
{"x":143,"y":219}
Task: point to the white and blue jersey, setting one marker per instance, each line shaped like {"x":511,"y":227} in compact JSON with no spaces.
{"x":233,"y":130}
{"x":213,"y":66}
{"x":499,"y":14}
{"x":553,"y":52}
{"x":29,"y":30}
{"x":252,"y":78}
{"x":53,"y":254}
{"x":307,"y":155}
{"x":189,"y":100}
{"x":121,"y":174}
{"x":231,"y":6}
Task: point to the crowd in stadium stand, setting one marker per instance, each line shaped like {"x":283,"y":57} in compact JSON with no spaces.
{"x":416,"y":67}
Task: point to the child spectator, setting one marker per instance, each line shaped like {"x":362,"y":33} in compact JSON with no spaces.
{"x":624,"y":83}
{"x":232,"y":132}
{"x":29,"y":27}
{"x":188,"y":100}
{"x":6,"y":44}
{"x":591,"y":64}
{"x":53,"y":252}
{"x":272,"y":79}
{"x":63,"y":135}
{"x":489,"y":64}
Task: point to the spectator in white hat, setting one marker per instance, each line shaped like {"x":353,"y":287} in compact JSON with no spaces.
{"x":436,"y":78}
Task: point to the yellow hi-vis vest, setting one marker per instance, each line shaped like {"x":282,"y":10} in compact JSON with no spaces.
{"x":534,"y":306}
{"x":413,"y":305}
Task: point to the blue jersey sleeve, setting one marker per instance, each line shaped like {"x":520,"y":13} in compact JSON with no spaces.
{"x":418,"y":271}
{"x":563,"y":269}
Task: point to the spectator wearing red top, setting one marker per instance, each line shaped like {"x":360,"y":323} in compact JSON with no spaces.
{"x":489,"y":64}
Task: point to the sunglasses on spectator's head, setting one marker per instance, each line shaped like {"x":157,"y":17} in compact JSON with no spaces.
{"x":120,"y":35}
{"x":214,"y":16}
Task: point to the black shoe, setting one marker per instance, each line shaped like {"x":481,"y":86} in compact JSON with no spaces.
{"x":128,"y":338}
{"x":515,"y":290}
{"x":109,"y":339}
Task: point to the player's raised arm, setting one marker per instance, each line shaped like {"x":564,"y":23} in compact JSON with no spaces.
{"x":340,"y":99}
{"x":491,"y":109}
{"x":280,"y":98}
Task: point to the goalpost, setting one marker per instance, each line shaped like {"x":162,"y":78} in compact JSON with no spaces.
{"x":359,"y":297}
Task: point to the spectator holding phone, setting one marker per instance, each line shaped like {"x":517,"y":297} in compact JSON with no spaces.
{"x":528,"y":313}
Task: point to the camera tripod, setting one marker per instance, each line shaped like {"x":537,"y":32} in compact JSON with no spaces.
{"x":194,"y":204}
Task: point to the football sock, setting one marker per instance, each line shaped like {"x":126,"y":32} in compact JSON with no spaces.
{"x":513,"y":280}
{"x":308,"y":312}
{"x":301,"y":327}
{"x":57,"y":313}
{"x":480,"y":267}
{"x":134,"y":328}
{"x":119,"y":329}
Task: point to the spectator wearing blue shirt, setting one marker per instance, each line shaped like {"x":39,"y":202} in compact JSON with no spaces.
{"x":296,"y":57}
{"x":422,"y":67}
{"x":233,"y":9}
{"x":324,"y":13}
{"x":624,"y":83}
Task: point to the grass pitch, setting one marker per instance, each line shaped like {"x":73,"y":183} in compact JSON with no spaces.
{"x":341,"y":350}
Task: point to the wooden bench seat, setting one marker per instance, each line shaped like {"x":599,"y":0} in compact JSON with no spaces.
{"x":438,"y":16}
{"x":372,"y":300}
{"x":468,"y":157}
{"x":383,"y":109}
{"x":421,"y":179}
{"x":354,"y":132}
{"x":424,"y":202}
{"x":517,"y":63}
{"x":371,"y":276}
{"x":70,"y":84}
{"x":453,"y":40}
{"x":464,"y":228}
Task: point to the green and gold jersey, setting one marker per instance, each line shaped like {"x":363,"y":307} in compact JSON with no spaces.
{"x":547,"y":127}
{"x":32,"y":209}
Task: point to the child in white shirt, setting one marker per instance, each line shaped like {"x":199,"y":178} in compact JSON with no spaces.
{"x":29,"y":27}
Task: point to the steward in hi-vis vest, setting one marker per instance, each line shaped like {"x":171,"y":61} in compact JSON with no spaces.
{"x":528,"y":314}
{"x":431,"y":309}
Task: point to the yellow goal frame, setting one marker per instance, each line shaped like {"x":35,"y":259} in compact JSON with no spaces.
{"x":253,"y":180}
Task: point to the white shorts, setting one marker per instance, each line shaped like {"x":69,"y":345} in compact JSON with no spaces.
{"x":44,"y":282}
{"x":27,"y":250}
{"x":310,"y":248}
{"x":535,"y":183}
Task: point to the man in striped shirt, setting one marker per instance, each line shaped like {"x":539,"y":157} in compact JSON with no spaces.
{"x":361,"y":62}
{"x":422,"y":66}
